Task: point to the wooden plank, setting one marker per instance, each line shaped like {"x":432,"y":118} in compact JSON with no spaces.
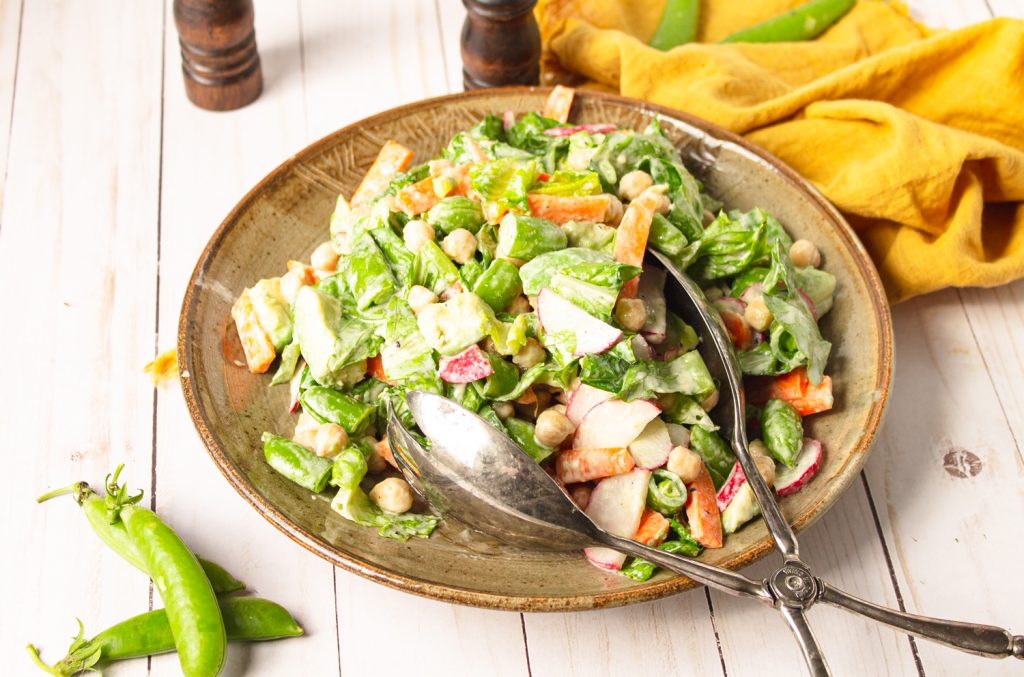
{"x":674,"y":636}
{"x":210,"y":161}
{"x":949,"y":13}
{"x":400,"y":40}
{"x":77,"y":266}
{"x":844,"y":549}
{"x":10,"y":30}
{"x":948,"y":480}
{"x":451,"y":14}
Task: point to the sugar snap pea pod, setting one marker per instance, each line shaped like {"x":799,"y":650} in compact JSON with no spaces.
{"x":678,"y":24}
{"x":246,"y":619}
{"x":666,"y":493}
{"x":521,"y":433}
{"x":717,"y":456}
{"x":193,"y":613}
{"x":503,"y":380}
{"x":456,"y":212}
{"x":114,"y":535}
{"x":328,"y":405}
{"x":783,"y":431}
{"x":296,"y":462}
{"x":805,"y":22}
{"x":526,"y":237}
{"x":499,"y":284}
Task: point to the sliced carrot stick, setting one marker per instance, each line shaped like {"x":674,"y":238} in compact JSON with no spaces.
{"x":702,"y":511}
{"x":631,"y":240}
{"x":418,"y":198}
{"x":796,"y":389}
{"x":259,"y":349}
{"x":393,"y":158}
{"x":582,"y":465}
{"x":559,"y":103}
{"x":384,"y":449}
{"x":563,"y":209}
{"x":653,"y":528}
{"x":375,"y":368}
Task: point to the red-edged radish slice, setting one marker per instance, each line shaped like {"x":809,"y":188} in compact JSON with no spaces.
{"x":808,"y":462}
{"x":740,"y":334}
{"x":596,"y":128}
{"x":468,"y":366}
{"x":616,"y":505}
{"x":558,"y":315}
{"x":729,"y":304}
{"x":679,"y":435}
{"x":810,"y":303}
{"x":732,"y":486}
{"x":583,"y":399}
{"x":583,"y":465}
{"x":293,"y":387}
{"x":754,"y":291}
{"x":702,"y":511}
{"x":651,"y":448}
{"x":736,"y":501}
{"x":614,"y":423}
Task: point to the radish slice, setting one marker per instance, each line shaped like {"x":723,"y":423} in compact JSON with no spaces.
{"x":582,"y":400}
{"x":732,"y":486}
{"x":614,"y":423}
{"x":616,"y":505}
{"x":808,"y":462}
{"x":468,"y":366}
{"x":729,"y":304}
{"x":508,"y":119}
{"x":591,"y":128}
{"x":810,"y":303}
{"x":679,"y":435}
{"x":558,"y":315}
{"x":293,"y":387}
{"x":641,"y":348}
{"x":651,"y":449}
{"x":754,"y":291}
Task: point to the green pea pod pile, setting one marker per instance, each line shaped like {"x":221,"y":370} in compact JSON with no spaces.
{"x":195,"y":621}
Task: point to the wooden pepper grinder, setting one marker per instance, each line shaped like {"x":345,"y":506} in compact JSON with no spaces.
{"x":218,"y":52}
{"x":500,"y":44}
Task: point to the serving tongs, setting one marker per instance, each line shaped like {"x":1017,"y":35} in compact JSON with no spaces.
{"x":478,"y":475}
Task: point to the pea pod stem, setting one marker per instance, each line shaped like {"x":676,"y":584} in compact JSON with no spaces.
{"x":246,"y":619}
{"x":97,"y":512}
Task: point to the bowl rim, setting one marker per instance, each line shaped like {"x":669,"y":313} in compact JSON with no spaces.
{"x":379,"y":574}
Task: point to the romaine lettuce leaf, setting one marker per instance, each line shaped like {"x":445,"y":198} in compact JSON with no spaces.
{"x":366,"y":273}
{"x":596,"y":236}
{"x":505,"y":182}
{"x":537,"y":273}
{"x":686,"y":374}
{"x":433,"y":269}
{"x":597,"y":300}
{"x":570,"y":183}
{"x":795,"y":318}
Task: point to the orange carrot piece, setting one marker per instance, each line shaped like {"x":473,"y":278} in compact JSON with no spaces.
{"x":384,"y":449}
{"x":375,"y":368}
{"x":653,"y":528}
{"x":417,"y":198}
{"x":559,"y":103}
{"x":259,"y":349}
{"x":393,"y":158}
{"x":702,"y":511}
{"x":582,"y":465}
{"x":796,"y":389}
{"x":631,"y":240}
{"x":563,"y":209}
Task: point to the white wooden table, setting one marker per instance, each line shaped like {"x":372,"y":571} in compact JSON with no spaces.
{"x":114,"y":182}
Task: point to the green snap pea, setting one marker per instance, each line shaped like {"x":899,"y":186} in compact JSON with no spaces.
{"x":456,"y":212}
{"x":499,"y":284}
{"x":805,"y":22}
{"x":296,"y":462}
{"x":246,"y":619}
{"x":666,"y":493}
{"x":713,"y":449}
{"x":328,"y":405}
{"x":678,"y":24}
{"x":193,"y":613}
{"x":527,"y":237}
{"x":97,"y":513}
{"x":503,"y":380}
{"x":521,"y":433}
{"x":783,"y":431}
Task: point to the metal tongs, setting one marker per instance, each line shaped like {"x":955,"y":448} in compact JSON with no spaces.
{"x":480,"y":476}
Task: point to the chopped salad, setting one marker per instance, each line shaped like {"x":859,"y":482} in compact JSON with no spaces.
{"x":508,"y":275}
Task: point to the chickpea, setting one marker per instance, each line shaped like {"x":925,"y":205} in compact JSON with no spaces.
{"x":291,"y":283}
{"x":581,"y":495}
{"x":766,"y":468}
{"x":375,"y":462}
{"x":633,"y":183}
{"x":392,"y":495}
{"x":306,"y":422}
{"x":757,"y":315}
{"x":504,"y":410}
{"x":804,"y":253}
{"x":330,"y":439}
{"x":757,"y":448}
{"x":306,"y":438}
{"x":560,"y":408}
{"x":324,"y":258}
{"x":658,"y":199}
{"x":417,"y":233}
{"x":686,"y":463}
{"x":631,"y":314}
{"x":529,"y":355}
{"x":460,"y":245}
{"x":420,"y":297}
{"x":520,"y":305}
{"x":552,"y":428}
{"x":710,"y":401}
{"x":613,"y":214}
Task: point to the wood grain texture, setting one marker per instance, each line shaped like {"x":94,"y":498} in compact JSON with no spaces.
{"x":77,"y":270}
{"x":10,"y":29}
{"x":209,"y":160}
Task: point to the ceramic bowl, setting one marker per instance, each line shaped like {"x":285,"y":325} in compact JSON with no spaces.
{"x":286,"y":215}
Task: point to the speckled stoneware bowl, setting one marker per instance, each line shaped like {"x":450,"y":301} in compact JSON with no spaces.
{"x":286,"y":216}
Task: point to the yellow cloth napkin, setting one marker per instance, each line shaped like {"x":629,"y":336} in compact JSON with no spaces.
{"x":916,"y":135}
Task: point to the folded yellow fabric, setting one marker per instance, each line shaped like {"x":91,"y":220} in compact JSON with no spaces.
{"x":916,"y":135}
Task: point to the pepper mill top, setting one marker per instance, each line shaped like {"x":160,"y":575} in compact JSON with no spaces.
{"x":500,"y":43}
{"x":219,"y":60}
